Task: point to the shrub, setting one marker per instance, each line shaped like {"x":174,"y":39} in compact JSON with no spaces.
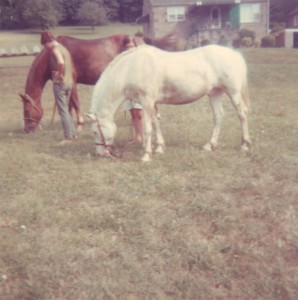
{"x":277,"y":28}
{"x":236,"y":43}
{"x":223,"y":40}
{"x":247,"y":42}
{"x":268,"y":41}
{"x":246,"y":38}
{"x":257,"y":44}
{"x":243,"y":33}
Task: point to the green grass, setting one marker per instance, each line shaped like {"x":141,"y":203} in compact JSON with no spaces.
{"x":188,"y":225}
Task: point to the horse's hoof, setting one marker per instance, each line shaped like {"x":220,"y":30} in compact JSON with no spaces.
{"x":107,"y":155}
{"x":146,"y":158}
{"x":159,"y":149}
{"x":90,"y":116}
{"x":244,"y":147}
{"x":81,"y":120}
{"x":79,"y":128}
{"x":209,"y":147}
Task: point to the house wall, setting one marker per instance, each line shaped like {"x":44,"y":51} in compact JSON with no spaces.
{"x":159,"y":26}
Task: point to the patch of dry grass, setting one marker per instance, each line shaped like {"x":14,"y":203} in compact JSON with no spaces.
{"x":189,"y":225}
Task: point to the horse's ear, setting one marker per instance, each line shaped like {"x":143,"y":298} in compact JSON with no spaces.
{"x":138,"y":40}
{"x":22,"y":96}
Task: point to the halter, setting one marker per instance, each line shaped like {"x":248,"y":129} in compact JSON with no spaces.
{"x":31,"y":101}
{"x":108,"y":147}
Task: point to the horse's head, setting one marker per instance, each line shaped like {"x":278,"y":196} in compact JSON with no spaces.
{"x":170,"y":42}
{"x":104,"y":132}
{"x":32,"y":113}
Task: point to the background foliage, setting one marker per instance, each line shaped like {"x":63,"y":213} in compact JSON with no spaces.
{"x":44,"y":13}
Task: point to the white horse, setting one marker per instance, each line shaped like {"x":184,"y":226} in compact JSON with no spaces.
{"x":148,"y":75}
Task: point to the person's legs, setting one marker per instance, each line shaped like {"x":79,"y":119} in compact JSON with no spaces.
{"x":62,"y":97}
{"x":136,"y":115}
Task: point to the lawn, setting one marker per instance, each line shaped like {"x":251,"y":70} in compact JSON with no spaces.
{"x":189,"y":225}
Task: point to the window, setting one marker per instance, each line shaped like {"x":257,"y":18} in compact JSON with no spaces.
{"x":250,"y":13}
{"x":176,"y":14}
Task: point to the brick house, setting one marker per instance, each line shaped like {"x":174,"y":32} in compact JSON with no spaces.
{"x":210,"y":20}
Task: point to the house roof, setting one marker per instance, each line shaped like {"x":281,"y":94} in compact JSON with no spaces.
{"x":198,"y":2}
{"x":190,"y":2}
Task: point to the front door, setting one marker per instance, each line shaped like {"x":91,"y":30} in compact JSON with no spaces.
{"x":215,"y":18}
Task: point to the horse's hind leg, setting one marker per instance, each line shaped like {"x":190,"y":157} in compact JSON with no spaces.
{"x":215,"y":100}
{"x":156,"y":126}
{"x":147,"y":129}
{"x":74,"y":103}
{"x":242,"y":111}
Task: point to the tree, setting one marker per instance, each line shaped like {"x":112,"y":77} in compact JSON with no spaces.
{"x":91,"y":13}
{"x":70,"y":10}
{"x":112,"y":8}
{"x":130,"y":10}
{"x":40,"y":13}
{"x":10,"y":14}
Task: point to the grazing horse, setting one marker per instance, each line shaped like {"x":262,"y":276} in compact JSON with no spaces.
{"x":90,"y":58}
{"x":148,"y":75}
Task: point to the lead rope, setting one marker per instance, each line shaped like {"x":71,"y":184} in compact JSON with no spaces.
{"x":33,"y":103}
{"x":108,"y":148}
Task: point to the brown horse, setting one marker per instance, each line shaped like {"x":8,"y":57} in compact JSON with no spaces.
{"x":90,"y":58}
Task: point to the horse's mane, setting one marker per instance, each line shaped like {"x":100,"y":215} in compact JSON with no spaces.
{"x":37,"y":65}
{"x":103,"y":78}
{"x":170,"y":42}
{"x":124,"y":53}
{"x":111,"y":65}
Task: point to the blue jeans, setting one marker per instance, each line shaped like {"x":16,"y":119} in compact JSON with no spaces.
{"x":62,"y":95}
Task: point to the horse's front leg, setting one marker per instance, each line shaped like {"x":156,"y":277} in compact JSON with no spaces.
{"x":242,"y":111}
{"x":147,"y":129}
{"x":75,"y":103}
{"x":216,"y":104}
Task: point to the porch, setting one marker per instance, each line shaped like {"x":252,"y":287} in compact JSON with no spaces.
{"x":214,"y":24}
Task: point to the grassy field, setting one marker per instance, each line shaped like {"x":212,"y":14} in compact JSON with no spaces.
{"x":188,"y":225}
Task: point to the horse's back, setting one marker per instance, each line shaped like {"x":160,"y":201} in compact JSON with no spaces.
{"x":173,"y":77}
{"x":91,"y":57}
{"x":224,"y":57}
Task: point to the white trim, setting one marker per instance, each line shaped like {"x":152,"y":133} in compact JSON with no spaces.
{"x":176,"y":14}
{"x":250,"y":13}
{"x":295,"y":20}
